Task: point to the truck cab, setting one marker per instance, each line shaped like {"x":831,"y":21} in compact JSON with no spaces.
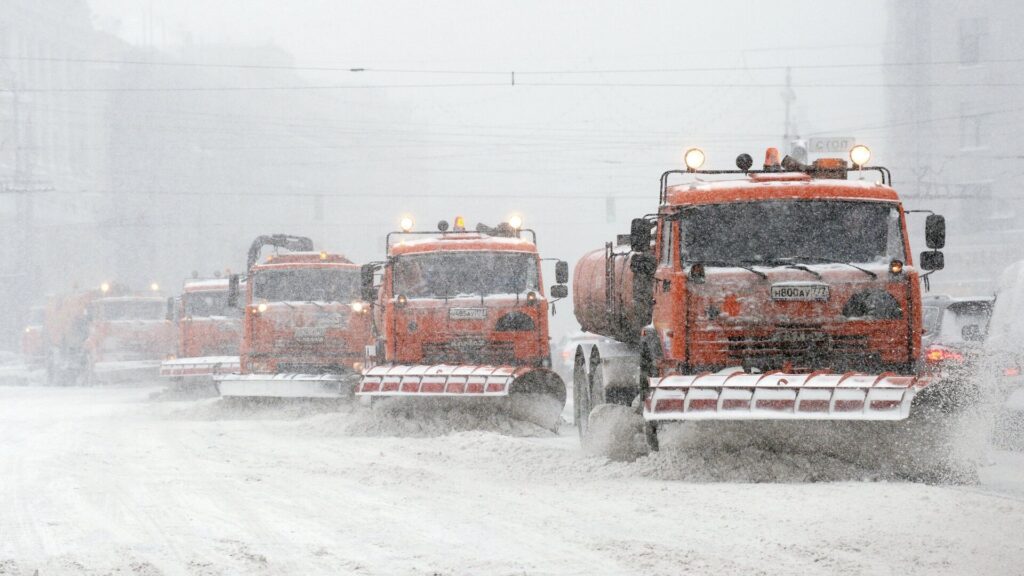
{"x":303,"y":315}
{"x":128,"y":338}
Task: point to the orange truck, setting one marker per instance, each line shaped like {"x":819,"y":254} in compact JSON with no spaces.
{"x":462,"y":314}
{"x":304,"y":327}
{"x":129,"y":336}
{"x":66,"y":327}
{"x":33,"y":342}
{"x":787,"y":293}
{"x":209,"y":331}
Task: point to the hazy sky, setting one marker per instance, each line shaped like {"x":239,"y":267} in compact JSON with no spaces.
{"x":579,"y":155}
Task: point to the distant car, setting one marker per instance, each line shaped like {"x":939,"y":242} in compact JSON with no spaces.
{"x":953,"y":344}
{"x":954,"y":334}
{"x":1004,"y":348}
{"x":1005,"y":343}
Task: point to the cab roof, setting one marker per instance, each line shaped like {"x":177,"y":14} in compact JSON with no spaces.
{"x":462,"y":242}
{"x":305,"y":260}
{"x":119,"y":299}
{"x":211,"y":284}
{"x":776,"y":186}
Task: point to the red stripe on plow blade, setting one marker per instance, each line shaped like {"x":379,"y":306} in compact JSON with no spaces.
{"x":849,"y":405}
{"x":371,"y":386}
{"x":780,"y":405}
{"x":697,"y":405}
{"x":813,"y":406}
{"x":669,"y":405}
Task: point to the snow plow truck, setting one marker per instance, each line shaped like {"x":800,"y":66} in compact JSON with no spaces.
{"x":461,"y":314}
{"x":209,"y":332}
{"x":786,"y":293}
{"x":304,"y":329}
{"x":129,"y":336}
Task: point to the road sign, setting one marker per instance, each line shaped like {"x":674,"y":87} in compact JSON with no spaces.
{"x":831,"y":145}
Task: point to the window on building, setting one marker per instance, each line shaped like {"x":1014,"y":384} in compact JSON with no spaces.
{"x":972,"y":33}
{"x":972,"y":128}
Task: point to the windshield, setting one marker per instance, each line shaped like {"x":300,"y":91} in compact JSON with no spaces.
{"x":132,"y":310}
{"x":306,"y":285}
{"x":452,"y":274}
{"x":208,"y":303}
{"x":794,"y":230}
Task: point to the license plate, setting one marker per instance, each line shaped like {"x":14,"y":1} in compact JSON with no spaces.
{"x":467,"y":313}
{"x":800,"y":292}
{"x":309,"y":334}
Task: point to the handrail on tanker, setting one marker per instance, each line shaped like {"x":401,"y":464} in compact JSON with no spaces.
{"x":292,"y":243}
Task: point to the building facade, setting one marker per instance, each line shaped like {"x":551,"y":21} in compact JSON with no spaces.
{"x":955,"y":86}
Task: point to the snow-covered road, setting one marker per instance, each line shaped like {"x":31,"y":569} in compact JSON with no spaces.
{"x":105,"y":480}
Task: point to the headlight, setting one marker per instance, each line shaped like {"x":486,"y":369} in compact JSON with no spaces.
{"x":873,"y":305}
{"x":262,"y":307}
{"x":358,"y":307}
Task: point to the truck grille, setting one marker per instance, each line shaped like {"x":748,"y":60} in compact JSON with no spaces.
{"x":469,"y":352}
{"x":804,"y":349}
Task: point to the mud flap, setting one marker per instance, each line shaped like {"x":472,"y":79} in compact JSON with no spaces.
{"x":733,"y":394}
{"x":285,"y":385}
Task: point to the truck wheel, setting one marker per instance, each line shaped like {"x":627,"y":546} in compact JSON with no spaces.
{"x":647,"y":370}
{"x":581,"y":394}
{"x":651,"y":436}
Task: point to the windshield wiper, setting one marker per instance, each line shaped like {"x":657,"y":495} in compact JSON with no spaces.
{"x":805,"y":269}
{"x":723,"y":263}
{"x":789,"y":261}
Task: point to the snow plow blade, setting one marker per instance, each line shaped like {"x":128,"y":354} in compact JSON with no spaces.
{"x":439,"y":380}
{"x":285,"y":385}
{"x":199,"y":367}
{"x":732,"y":394}
{"x":534,"y":395}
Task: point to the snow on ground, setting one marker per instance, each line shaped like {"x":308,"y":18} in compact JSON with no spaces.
{"x":108,"y":481}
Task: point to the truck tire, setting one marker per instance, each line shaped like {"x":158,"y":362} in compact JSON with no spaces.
{"x":581,"y":394}
{"x":608,"y":424}
{"x":648,"y":369}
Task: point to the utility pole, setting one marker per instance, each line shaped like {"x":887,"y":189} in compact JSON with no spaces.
{"x":788,"y":97}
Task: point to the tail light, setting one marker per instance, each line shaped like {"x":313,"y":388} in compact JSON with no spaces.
{"x":1011,"y":371}
{"x":936,"y":354}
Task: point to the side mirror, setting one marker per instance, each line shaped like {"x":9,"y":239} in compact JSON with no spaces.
{"x":640,"y":235}
{"x":933,"y":260}
{"x":170,"y":309}
{"x":366,"y":282}
{"x":972,"y":333}
{"x":233,"y":282}
{"x":559,"y":291}
{"x":935,"y":231}
{"x":561,"y":272}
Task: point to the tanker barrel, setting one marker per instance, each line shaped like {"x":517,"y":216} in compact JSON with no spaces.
{"x":612,"y":293}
